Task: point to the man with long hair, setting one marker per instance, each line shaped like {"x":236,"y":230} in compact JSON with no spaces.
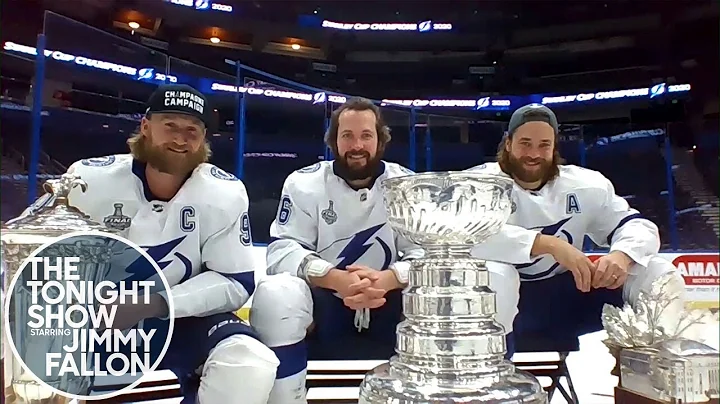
{"x":562,"y":292}
{"x":192,"y":217}
{"x":335,"y":265}
{"x":332,"y":249}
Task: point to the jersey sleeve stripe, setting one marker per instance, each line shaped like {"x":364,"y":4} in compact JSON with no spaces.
{"x":621,"y":224}
{"x":539,"y":275}
{"x":246,"y":279}
{"x":303,"y":245}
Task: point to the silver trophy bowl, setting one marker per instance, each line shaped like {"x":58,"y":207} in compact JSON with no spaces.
{"x":20,"y":237}
{"x":449,"y":347}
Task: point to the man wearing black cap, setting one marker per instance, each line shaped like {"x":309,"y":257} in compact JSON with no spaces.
{"x":192,"y":218}
{"x":562,"y":291}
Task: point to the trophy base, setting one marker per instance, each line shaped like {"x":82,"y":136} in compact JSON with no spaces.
{"x":382,"y":387}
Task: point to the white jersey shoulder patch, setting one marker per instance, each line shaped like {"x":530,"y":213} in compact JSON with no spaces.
{"x":227,"y":192}
{"x":396,"y":170}
{"x":101,"y":172}
{"x":573,"y":177}
{"x":487,"y":168}
{"x":311,"y":179}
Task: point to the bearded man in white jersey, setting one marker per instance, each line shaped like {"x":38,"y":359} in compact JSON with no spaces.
{"x":562,"y":292}
{"x":335,"y":263}
{"x":192,"y":218}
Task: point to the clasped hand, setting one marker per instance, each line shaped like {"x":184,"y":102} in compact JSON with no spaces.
{"x":609,"y":271}
{"x":362,"y":287}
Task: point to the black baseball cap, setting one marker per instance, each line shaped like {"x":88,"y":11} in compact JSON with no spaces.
{"x":532,"y":113}
{"x":179,"y":99}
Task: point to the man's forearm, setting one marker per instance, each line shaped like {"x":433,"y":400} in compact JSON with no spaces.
{"x":327,"y":281}
{"x":544,"y":245}
{"x":206,"y":294}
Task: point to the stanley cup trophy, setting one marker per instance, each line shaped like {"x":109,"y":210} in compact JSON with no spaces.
{"x":20,"y":238}
{"x":449,"y":347}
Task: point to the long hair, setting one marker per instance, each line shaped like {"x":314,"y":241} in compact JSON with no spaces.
{"x":138,"y":147}
{"x":503,"y":159}
{"x":357,"y":104}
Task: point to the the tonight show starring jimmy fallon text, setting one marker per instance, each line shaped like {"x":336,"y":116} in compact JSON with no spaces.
{"x":81,"y":313}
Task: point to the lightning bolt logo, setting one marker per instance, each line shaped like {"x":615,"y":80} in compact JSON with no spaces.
{"x":551,"y":230}
{"x":359,"y":245}
{"x":139,"y":270}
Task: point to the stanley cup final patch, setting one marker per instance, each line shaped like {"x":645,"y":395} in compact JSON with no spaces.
{"x":117,"y":221}
{"x":329,"y":215}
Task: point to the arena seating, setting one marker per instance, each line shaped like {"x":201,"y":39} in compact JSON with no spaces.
{"x":637,"y":167}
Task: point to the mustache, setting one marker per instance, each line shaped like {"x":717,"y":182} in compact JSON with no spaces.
{"x":173,"y":147}
{"x":360,"y":153}
{"x":532,"y":160}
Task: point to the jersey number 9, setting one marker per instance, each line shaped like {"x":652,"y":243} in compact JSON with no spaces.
{"x":285,"y":210}
{"x":245,"y":235}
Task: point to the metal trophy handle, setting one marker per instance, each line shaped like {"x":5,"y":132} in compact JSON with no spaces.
{"x":60,"y":188}
{"x":449,"y":348}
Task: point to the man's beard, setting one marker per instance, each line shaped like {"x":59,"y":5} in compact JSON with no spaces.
{"x":168,"y":162}
{"x":353,"y":172}
{"x":517,"y":168}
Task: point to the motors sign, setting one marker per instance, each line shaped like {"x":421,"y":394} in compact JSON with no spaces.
{"x":701,"y":273}
{"x":699,"y":269}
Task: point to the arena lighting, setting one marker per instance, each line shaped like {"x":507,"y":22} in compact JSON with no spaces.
{"x":134,"y":25}
{"x":501,"y":103}
{"x":295,"y":46}
{"x":215,"y":40}
{"x":423,"y":26}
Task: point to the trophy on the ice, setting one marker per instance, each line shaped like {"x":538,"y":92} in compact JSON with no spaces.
{"x":449,"y":348}
{"x":665,"y":352}
{"x":20,"y":238}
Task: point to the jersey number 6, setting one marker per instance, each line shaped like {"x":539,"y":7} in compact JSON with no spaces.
{"x":285,"y":210}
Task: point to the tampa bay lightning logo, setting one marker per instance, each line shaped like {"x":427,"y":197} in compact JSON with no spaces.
{"x":202,"y":4}
{"x":99,"y":161}
{"x":551,"y":230}
{"x":146,"y":74}
{"x":222,"y":174}
{"x":319,"y":98}
{"x":164,"y":256}
{"x":482,"y":103}
{"x":657,"y":90}
{"x":360,"y":244}
{"x":425,"y":26}
{"x":309,"y":169}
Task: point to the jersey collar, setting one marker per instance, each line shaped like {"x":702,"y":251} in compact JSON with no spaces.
{"x":380,"y":171}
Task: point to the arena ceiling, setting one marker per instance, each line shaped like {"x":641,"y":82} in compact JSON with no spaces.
{"x":507,"y":47}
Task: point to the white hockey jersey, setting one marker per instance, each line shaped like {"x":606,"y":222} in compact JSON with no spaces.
{"x":200,"y":239}
{"x":578,"y":203}
{"x":319,"y":213}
